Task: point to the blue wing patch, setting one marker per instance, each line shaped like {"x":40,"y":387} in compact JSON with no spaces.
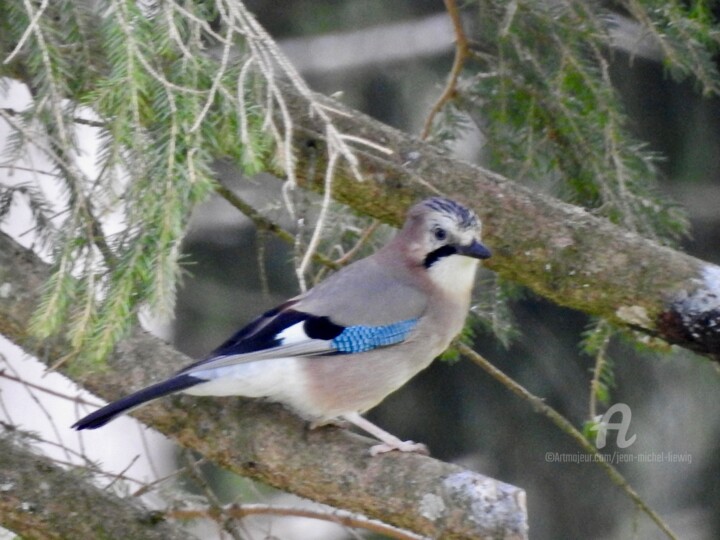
{"x":355,"y":339}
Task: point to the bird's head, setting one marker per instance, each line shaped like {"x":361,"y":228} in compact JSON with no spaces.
{"x":439,"y":228}
{"x":443,"y":236}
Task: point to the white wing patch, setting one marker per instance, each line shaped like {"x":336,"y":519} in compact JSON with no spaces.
{"x":293,"y":334}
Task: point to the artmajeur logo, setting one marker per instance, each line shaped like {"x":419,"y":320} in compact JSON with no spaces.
{"x":605,"y":424}
{"x":616,"y":419}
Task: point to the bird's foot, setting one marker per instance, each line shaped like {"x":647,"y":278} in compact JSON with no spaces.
{"x":389,"y":442}
{"x":400,"y":446}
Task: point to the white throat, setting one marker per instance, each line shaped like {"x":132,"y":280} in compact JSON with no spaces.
{"x":454,"y":274}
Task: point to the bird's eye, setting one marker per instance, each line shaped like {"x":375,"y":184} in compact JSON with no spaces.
{"x":440,"y":233}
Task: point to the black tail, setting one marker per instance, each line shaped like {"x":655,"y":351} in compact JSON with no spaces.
{"x":102,"y":416}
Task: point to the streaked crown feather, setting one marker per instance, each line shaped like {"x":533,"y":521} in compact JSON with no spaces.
{"x":464,"y":217}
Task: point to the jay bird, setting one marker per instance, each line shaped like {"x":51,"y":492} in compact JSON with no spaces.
{"x":340,"y":348}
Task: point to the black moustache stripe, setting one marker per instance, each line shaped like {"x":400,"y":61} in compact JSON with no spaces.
{"x":434,"y":256}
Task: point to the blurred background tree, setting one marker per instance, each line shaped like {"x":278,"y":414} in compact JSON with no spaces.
{"x":608,"y":105}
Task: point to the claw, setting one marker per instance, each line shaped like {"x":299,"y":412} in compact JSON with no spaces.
{"x":400,"y":446}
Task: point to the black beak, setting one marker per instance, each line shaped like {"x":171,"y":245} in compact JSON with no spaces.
{"x":476,"y":250}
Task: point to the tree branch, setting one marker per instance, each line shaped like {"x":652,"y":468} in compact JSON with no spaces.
{"x":266,"y":442}
{"x":38,"y":499}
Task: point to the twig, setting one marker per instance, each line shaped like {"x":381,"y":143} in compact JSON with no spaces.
{"x":262,"y":262}
{"x":462,"y":52}
{"x":26,"y":34}
{"x":88,"y":464}
{"x":14,"y":167}
{"x":31,"y":393}
{"x":564,"y":425}
{"x":76,"y":399}
{"x":366,"y":234}
{"x":149,"y":486}
{"x":317,"y":232}
{"x":217,"y":512}
{"x":600,"y":366}
{"x":216,"y":80}
{"x":76,"y":119}
{"x":265,"y":224}
{"x":351,"y":253}
{"x":121,"y":474}
{"x":57,"y":153}
{"x":340,"y":517}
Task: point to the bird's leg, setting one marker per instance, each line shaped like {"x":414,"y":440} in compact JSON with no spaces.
{"x":389,"y":442}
